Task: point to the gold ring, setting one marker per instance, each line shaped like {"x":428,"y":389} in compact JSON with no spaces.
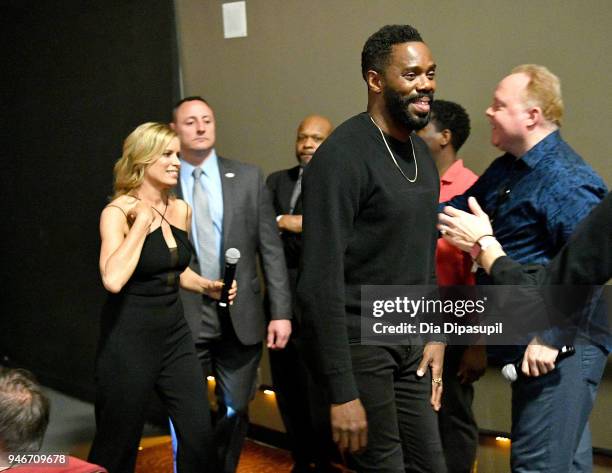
{"x":436,"y":380}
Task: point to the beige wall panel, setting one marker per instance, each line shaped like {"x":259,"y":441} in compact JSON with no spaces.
{"x":303,"y":56}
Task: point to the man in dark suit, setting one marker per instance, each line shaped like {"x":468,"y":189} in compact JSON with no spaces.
{"x":232,"y":208}
{"x":286,"y":188}
{"x":304,"y":412}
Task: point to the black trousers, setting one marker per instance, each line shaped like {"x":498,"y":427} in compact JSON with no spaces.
{"x":304,"y":407}
{"x":458,"y":427}
{"x":403,"y":431}
{"x":141,"y":351}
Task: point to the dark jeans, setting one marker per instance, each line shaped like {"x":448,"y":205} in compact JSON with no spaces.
{"x":403,"y":431}
{"x":550,"y":414}
{"x":458,"y":427}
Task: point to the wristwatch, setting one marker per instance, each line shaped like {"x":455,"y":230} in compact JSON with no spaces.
{"x":482,"y":244}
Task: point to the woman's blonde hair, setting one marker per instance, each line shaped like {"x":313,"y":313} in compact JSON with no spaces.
{"x":141,"y":148}
{"x":543,"y":90}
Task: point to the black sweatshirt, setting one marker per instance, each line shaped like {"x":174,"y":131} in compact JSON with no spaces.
{"x":364,"y":224}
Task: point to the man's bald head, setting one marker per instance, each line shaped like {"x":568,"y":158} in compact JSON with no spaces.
{"x":311,"y":132}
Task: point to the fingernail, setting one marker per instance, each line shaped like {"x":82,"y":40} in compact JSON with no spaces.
{"x":420,"y":373}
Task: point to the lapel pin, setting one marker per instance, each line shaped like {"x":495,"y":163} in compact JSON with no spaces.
{"x":229,"y":174}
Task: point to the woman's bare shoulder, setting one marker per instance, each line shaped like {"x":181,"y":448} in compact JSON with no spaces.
{"x":122,"y":203}
{"x":181,"y":211}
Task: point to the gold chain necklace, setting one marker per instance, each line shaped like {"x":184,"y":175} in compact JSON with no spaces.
{"x":416,"y":167}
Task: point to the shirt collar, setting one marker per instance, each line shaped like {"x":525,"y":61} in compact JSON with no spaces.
{"x":453,"y":172}
{"x":208,"y":166}
{"x":541,"y":149}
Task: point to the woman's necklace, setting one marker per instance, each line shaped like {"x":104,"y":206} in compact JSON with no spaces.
{"x":416,"y":167}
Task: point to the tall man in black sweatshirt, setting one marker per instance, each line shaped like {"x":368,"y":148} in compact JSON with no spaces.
{"x":369,"y":213}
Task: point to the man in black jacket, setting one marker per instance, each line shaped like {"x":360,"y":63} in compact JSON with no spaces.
{"x":300,"y":402}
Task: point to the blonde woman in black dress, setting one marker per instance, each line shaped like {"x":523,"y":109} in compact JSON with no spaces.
{"x":145,"y":344}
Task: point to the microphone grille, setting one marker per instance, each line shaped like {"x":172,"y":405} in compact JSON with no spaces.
{"x":509,"y":373}
{"x":232,"y":256}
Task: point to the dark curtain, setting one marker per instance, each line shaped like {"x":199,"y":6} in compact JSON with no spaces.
{"x":79,"y":76}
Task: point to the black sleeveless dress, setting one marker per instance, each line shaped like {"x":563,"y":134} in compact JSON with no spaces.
{"x":146,"y":345}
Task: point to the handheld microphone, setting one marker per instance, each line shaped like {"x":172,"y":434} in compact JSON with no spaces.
{"x":231,"y":259}
{"x":512,"y":371}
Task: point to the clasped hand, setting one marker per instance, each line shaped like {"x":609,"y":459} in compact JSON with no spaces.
{"x":141,"y":211}
{"x":539,"y":358}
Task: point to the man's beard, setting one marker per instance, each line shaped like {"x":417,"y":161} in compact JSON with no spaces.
{"x":398,"y":109}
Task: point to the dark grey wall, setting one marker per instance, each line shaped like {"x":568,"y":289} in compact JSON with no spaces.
{"x":81,"y":76}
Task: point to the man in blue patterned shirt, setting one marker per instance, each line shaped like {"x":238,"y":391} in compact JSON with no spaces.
{"x":536,"y":194}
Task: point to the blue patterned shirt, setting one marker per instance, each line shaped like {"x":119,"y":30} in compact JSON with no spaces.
{"x":535,"y":202}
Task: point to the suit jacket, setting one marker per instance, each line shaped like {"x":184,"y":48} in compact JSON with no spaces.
{"x":249,"y":225}
{"x":281,"y":184}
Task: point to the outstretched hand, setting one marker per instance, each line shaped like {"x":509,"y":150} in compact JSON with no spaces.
{"x":463,"y":229}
